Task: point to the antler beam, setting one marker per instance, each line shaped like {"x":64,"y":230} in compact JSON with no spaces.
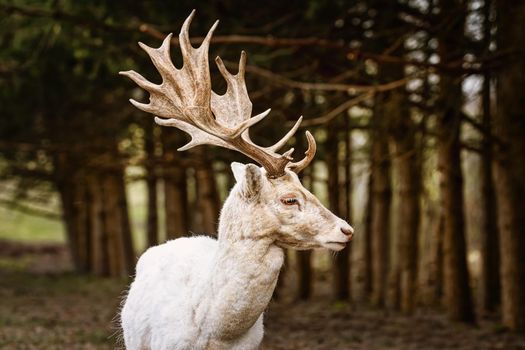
{"x":186,"y":101}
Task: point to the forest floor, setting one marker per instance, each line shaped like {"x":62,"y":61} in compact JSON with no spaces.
{"x":43,"y":307}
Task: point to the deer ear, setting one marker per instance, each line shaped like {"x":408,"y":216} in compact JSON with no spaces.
{"x":248,"y":177}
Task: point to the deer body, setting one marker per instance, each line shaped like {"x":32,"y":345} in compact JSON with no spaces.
{"x":201,"y":293}
{"x":212,"y":298}
{"x":208,"y":294}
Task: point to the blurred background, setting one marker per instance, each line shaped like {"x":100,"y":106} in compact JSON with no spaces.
{"x":418,"y":111}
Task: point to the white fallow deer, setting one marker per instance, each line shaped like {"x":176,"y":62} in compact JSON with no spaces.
{"x":205,"y":293}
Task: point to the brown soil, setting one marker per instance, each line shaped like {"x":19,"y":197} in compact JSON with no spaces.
{"x":42,"y":306}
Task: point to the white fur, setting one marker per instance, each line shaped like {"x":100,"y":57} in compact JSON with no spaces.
{"x":202,"y":293}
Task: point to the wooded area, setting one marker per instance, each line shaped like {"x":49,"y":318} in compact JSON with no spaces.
{"x":418,"y":108}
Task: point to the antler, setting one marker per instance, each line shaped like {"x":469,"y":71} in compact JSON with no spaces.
{"x":186,"y":101}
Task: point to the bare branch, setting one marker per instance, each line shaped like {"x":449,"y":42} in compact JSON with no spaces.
{"x":337,"y":110}
{"x":458,"y":66}
{"x":356,"y":100}
{"x":13,"y":205}
{"x":307,"y":86}
{"x":351,"y":54}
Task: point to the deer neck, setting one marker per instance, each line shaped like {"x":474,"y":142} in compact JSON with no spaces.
{"x":245,"y":272}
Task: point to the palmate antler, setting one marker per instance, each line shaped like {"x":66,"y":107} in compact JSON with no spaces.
{"x":186,"y":101}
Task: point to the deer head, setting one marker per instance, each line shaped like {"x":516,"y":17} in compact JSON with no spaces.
{"x":285,"y":211}
{"x":186,"y":101}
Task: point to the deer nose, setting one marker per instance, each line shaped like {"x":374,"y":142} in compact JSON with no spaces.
{"x":348,"y":231}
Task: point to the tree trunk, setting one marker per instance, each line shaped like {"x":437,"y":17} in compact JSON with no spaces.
{"x":65,"y":176}
{"x":80,"y":220}
{"x":104,"y":225}
{"x":341,"y":283}
{"x":175,"y":188}
{"x":456,"y":277}
{"x":489,"y":237}
{"x":458,"y":300}
{"x":304,"y":268}
{"x":381,"y":197}
{"x":367,"y":244}
{"x":96,"y":213}
{"x":152,"y":226}
{"x":66,"y":201}
{"x":347,"y":204}
{"x":207,"y":195}
{"x":175,"y":202}
{"x":126,"y":233}
{"x":509,"y":166}
{"x":99,"y":255}
{"x":304,"y":289}
{"x":152,"y":230}
{"x":435,"y":273}
{"x":406,"y":166}
{"x":489,"y":286}
{"x":112,"y":224}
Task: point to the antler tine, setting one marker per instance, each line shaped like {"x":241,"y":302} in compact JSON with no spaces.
{"x":140,"y":80}
{"x":309,"y":155}
{"x":198,"y":137}
{"x":224,"y":71}
{"x":207,"y":39}
{"x":161,"y":56}
{"x":184,"y":37}
{"x":242,"y":66}
{"x":279,"y":144}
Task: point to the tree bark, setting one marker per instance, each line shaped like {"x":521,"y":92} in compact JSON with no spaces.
{"x":304,"y":288}
{"x":367,"y":244}
{"x":65,"y":189}
{"x":109,"y":245}
{"x":126,"y":233}
{"x":381,"y":197}
{"x":152,"y":226}
{"x":489,"y":286}
{"x":99,"y":255}
{"x":458,"y":299}
{"x":340,"y":268}
{"x":347,"y":204}
{"x":435,"y":278}
{"x":509,"y":166}
{"x":407,"y":168}
{"x":304,"y":268}
{"x":152,"y":230}
{"x":75,"y":201}
{"x":112,"y":224}
{"x":80,"y":220}
{"x":456,"y":277}
{"x":96,"y":213}
{"x":207,"y":195}
{"x":175,"y":188}
{"x":489,"y":239}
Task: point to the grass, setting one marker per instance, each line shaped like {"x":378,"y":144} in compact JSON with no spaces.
{"x":17,"y":226}
{"x":21,"y":227}
{"x":58,"y":312}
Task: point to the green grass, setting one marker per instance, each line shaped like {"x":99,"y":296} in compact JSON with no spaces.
{"x":17,"y":226}
{"x":137,"y":199}
{"x":22,"y":227}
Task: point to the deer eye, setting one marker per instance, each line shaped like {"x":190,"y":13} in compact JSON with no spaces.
{"x":289,"y":200}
